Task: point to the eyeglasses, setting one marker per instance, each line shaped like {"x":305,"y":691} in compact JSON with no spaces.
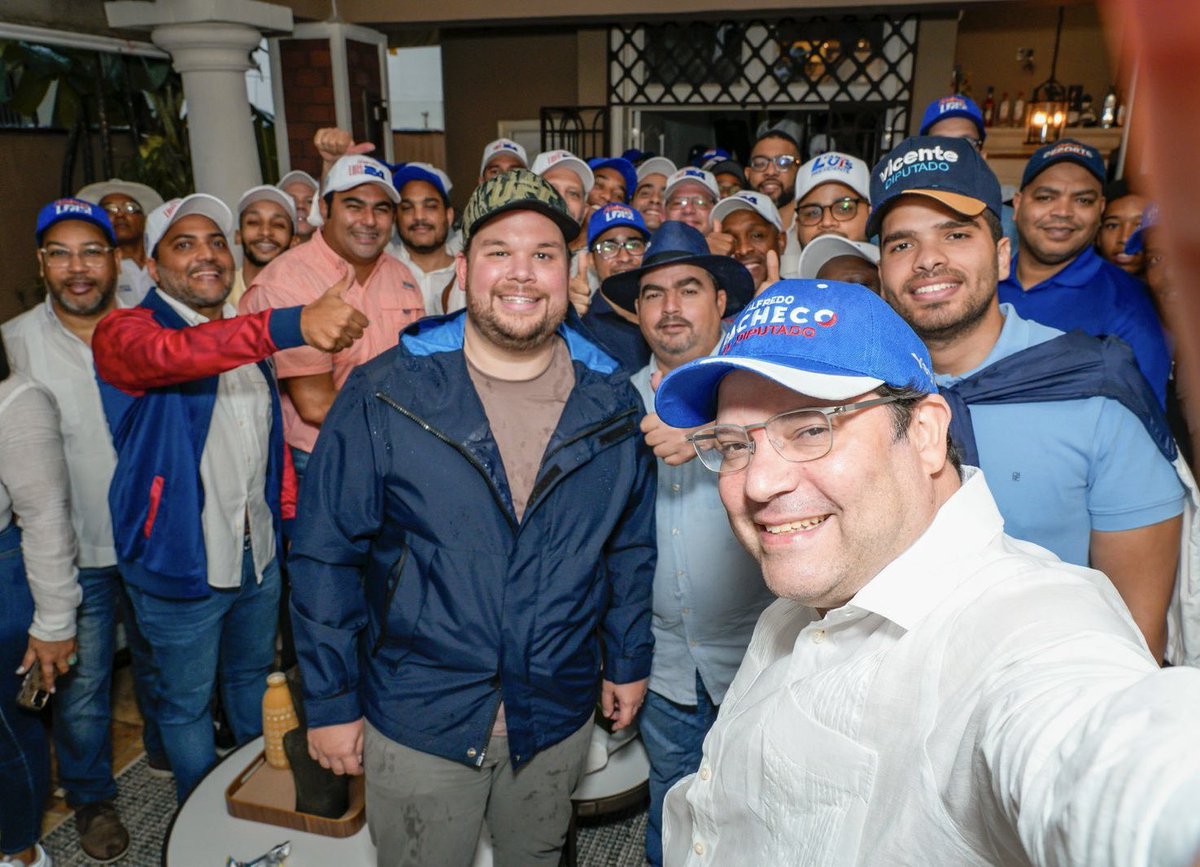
{"x":700,"y":203}
{"x":841,"y":210}
{"x":798,"y":436}
{"x":60,"y":257}
{"x":783,"y":162}
{"x":729,"y":189}
{"x":115,"y":208}
{"x":608,"y":249}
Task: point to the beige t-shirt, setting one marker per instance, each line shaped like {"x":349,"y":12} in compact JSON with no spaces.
{"x":523,"y":414}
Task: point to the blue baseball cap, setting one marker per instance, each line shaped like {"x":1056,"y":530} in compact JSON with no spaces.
{"x":677,"y":243}
{"x":61,"y":210}
{"x":619,"y":164}
{"x":948,"y":170}
{"x":953,"y":106}
{"x":404,"y":173}
{"x":612,"y":216}
{"x":1137,"y":241}
{"x":820,"y":338}
{"x":1065,"y":151}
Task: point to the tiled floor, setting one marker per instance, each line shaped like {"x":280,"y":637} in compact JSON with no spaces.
{"x":127,"y":744}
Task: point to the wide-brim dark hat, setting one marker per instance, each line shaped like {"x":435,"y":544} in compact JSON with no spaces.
{"x":678,"y":243}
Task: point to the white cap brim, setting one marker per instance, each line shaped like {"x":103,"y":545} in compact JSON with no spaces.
{"x":656,"y":166}
{"x":821,"y":249}
{"x":267,"y":193}
{"x":727,"y":206}
{"x":201,"y":204}
{"x":145,"y":196}
{"x":303,"y":177}
{"x":579,"y":167}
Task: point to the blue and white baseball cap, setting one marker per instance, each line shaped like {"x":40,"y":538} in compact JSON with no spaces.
{"x":948,"y":170}
{"x":953,"y":106}
{"x":688,"y":174}
{"x":820,"y":338}
{"x":624,"y":166}
{"x":833,"y":167}
{"x":426,"y":172}
{"x":61,"y":210}
{"x":560,"y":159}
{"x":354,"y":170}
{"x":748,"y":200}
{"x":502,"y":146}
{"x":656,"y":166}
{"x":612,"y":216}
{"x":1066,"y":150}
{"x":169,"y":213}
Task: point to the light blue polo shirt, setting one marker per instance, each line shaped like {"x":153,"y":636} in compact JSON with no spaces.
{"x":1059,"y":470}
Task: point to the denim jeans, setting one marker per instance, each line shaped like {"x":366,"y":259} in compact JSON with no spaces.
{"x":83,"y":703}
{"x":24,"y":754}
{"x":673,"y":735}
{"x":227,"y":638}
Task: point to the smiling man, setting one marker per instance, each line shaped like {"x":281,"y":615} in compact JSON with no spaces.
{"x":423,"y":221}
{"x":478,"y":515}
{"x":752,"y":222}
{"x":1085,"y":479}
{"x":202,"y":482}
{"x":266,"y":226}
{"x":648,"y":197}
{"x":358,"y":209}
{"x":1058,"y":278}
{"x":927,"y":690}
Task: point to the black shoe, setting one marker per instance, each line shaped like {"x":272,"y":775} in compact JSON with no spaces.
{"x":101,"y":833}
{"x":159,"y":766}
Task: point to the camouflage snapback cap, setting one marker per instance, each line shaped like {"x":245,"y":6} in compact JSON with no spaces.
{"x":516,"y":190}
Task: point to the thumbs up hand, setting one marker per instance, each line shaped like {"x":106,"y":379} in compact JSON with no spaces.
{"x":719,"y":243}
{"x":329,"y":323}
{"x":580,"y":291}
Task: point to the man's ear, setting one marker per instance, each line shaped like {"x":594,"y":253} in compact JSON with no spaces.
{"x":152,"y":270}
{"x":450,"y":216}
{"x":722,"y":303}
{"x":460,"y":270}
{"x":1003,"y":259}
{"x":927,"y":430}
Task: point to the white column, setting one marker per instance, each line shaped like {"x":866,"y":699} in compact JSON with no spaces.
{"x":213,"y":58}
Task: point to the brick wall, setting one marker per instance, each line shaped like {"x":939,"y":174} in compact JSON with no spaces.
{"x":307,"y":97}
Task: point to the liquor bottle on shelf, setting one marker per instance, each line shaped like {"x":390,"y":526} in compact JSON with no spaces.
{"x":1108,"y":114}
{"x":1074,"y":104}
{"x":1018,"y":115}
{"x":989,"y":108}
{"x":1004,"y":116}
{"x":1087,"y":114}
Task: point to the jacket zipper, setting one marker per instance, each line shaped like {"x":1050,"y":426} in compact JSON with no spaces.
{"x":504,"y":510}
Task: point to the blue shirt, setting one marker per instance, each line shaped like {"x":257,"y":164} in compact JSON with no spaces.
{"x":622,"y":338}
{"x":1060,"y":470}
{"x":1097,"y":298}
{"x":708,"y":592}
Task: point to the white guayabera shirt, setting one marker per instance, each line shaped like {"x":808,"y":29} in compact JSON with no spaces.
{"x":978,"y":702}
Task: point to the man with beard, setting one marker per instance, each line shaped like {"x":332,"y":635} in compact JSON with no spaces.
{"x":615,"y":179}
{"x":502,"y":155}
{"x":266,"y":226}
{"x":302,"y":188}
{"x":771,"y":170}
{"x":358,"y":210}
{"x":202,"y":481}
{"x":1084,"y":477}
{"x":617,"y":238}
{"x":52,"y":345}
{"x":127,"y":203}
{"x":423,"y":220}
{"x":474,"y":556}
{"x":648,"y":197}
{"x":707,"y":590}
{"x":1058,"y":278}
{"x":751,"y":221}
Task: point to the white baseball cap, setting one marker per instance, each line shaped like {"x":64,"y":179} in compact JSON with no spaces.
{"x":688,"y":174}
{"x":822,"y":248}
{"x":355,"y":170}
{"x":502,"y":146}
{"x":302,"y":177}
{"x":834,"y":167}
{"x":166,"y":215}
{"x":267,"y":193}
{"x":140,"y":193}
{"x":656,"y":166}
{"x":547,"y":160}
{"x":748,"y":200}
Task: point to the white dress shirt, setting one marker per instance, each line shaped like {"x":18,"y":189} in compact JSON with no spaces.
{"x":978,"y":702}
{"x":432,"y":283}
{"x":44,"y":350}
{"x":133,"y":282}
{"x":233,"y":468}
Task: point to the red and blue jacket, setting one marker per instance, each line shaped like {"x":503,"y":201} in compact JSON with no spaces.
{"x":158,"y":384}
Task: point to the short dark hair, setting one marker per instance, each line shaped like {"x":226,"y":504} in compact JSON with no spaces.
{"x":994,"y":224}
{"x":906,"y":400}
{"x":779,"y":134}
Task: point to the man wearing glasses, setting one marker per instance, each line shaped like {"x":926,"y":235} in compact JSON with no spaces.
{"x":832,"y":198}
{"x":927,"y":690}
{"x":616,"y":241}
{"x":127,"y":204}
{"x":771,"y":170}
{"x":707,"y":591}
{"x":690,"y":196}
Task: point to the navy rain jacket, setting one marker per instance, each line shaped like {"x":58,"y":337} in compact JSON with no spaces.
{"x":419,"y":602}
